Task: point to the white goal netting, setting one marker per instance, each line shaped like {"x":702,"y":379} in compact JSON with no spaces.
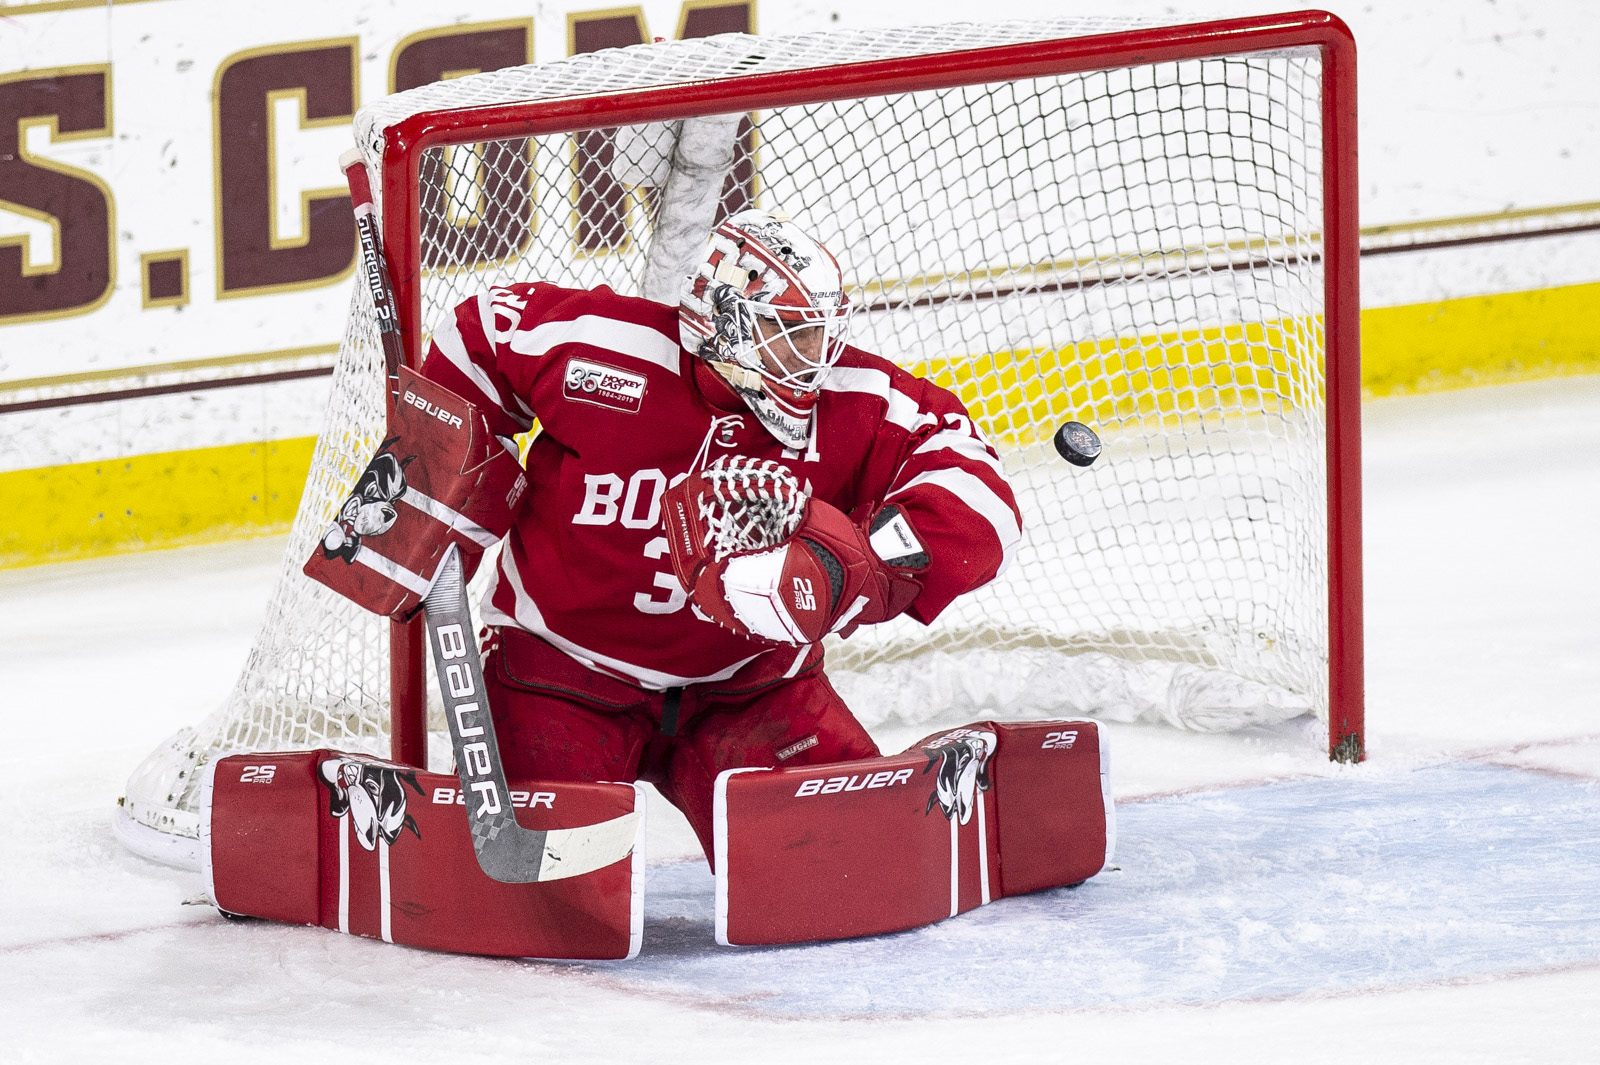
{"x":1138,"y":248}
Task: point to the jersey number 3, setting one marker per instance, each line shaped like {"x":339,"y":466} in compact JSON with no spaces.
{"x":636,"y":504}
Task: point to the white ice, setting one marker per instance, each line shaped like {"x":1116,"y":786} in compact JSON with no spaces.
{"x":1439,"y":903}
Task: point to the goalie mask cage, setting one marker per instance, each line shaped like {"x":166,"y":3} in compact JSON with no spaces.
{"x":1148,"y":228}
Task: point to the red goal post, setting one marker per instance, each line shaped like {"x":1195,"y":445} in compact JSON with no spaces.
{"x":405,"y":142}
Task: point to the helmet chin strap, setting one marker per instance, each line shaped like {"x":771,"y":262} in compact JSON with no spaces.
{"x":742,"y":378}
{"x":792,"y":431}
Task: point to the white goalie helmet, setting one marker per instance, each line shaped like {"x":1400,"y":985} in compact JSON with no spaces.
{"x":766,"y":308}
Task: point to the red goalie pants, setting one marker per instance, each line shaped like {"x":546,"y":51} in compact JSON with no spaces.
{"x":557,"y":720}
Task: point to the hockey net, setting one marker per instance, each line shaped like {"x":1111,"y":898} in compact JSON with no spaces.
{"x":1119,"y":223}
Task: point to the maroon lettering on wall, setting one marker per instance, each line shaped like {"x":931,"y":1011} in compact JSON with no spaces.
{"x":77,"y":204}
{"x":491,"y":184}
{"x":602,"y":200}
{"x":166,"y":280}
{"x":250,"y":259}
{"x":704,"y":20}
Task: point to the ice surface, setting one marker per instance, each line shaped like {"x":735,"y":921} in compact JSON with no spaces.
{"x":1259,"y":892}
{"x":1441,"y":903}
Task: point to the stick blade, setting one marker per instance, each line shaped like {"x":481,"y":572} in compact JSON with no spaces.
{"x":512,"y":854}
{"x":574,"y":851}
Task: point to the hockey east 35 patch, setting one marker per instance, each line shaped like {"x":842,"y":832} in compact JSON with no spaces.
{"x":602,"y":385}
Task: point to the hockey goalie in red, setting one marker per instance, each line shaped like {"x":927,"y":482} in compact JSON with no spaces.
{"x":713,"y":489}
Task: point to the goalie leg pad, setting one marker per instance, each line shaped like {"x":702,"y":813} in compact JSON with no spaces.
{"x":373,"y":849}
{"x":886,"y":844}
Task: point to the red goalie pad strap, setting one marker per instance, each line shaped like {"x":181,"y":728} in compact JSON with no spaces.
{"x":885,"y":844}
{"x":441,"y":478}
{"x":373,"y":849}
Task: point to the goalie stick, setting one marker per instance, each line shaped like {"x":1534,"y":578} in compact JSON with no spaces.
{"x":374,"y":266}
{"x":506,"y":851}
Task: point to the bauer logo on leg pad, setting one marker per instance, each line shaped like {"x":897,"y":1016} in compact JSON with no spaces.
{"x":521,"y":800}
{"x":884,"y":778}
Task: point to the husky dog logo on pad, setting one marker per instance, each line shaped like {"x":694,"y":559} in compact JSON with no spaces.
{"x":961,"y":758}
{"x":374,"y":797}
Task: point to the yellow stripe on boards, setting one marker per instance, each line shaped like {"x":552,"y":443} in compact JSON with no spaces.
{"x":173,"y":499}
{"x":1457,"y":343}
{"x":1020,"y":396}
{"x":212,"y":494}
{"x":1481,"y":340}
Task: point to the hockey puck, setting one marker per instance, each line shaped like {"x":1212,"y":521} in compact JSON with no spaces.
{"x":1077,"y":443}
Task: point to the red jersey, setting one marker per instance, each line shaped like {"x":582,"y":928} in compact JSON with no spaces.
{"x":624,"y":412}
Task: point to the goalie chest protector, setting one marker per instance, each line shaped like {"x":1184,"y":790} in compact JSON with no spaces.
{"x":885,"y":844}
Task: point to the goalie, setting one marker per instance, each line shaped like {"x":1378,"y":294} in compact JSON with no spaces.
{"x":712,"y":491}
